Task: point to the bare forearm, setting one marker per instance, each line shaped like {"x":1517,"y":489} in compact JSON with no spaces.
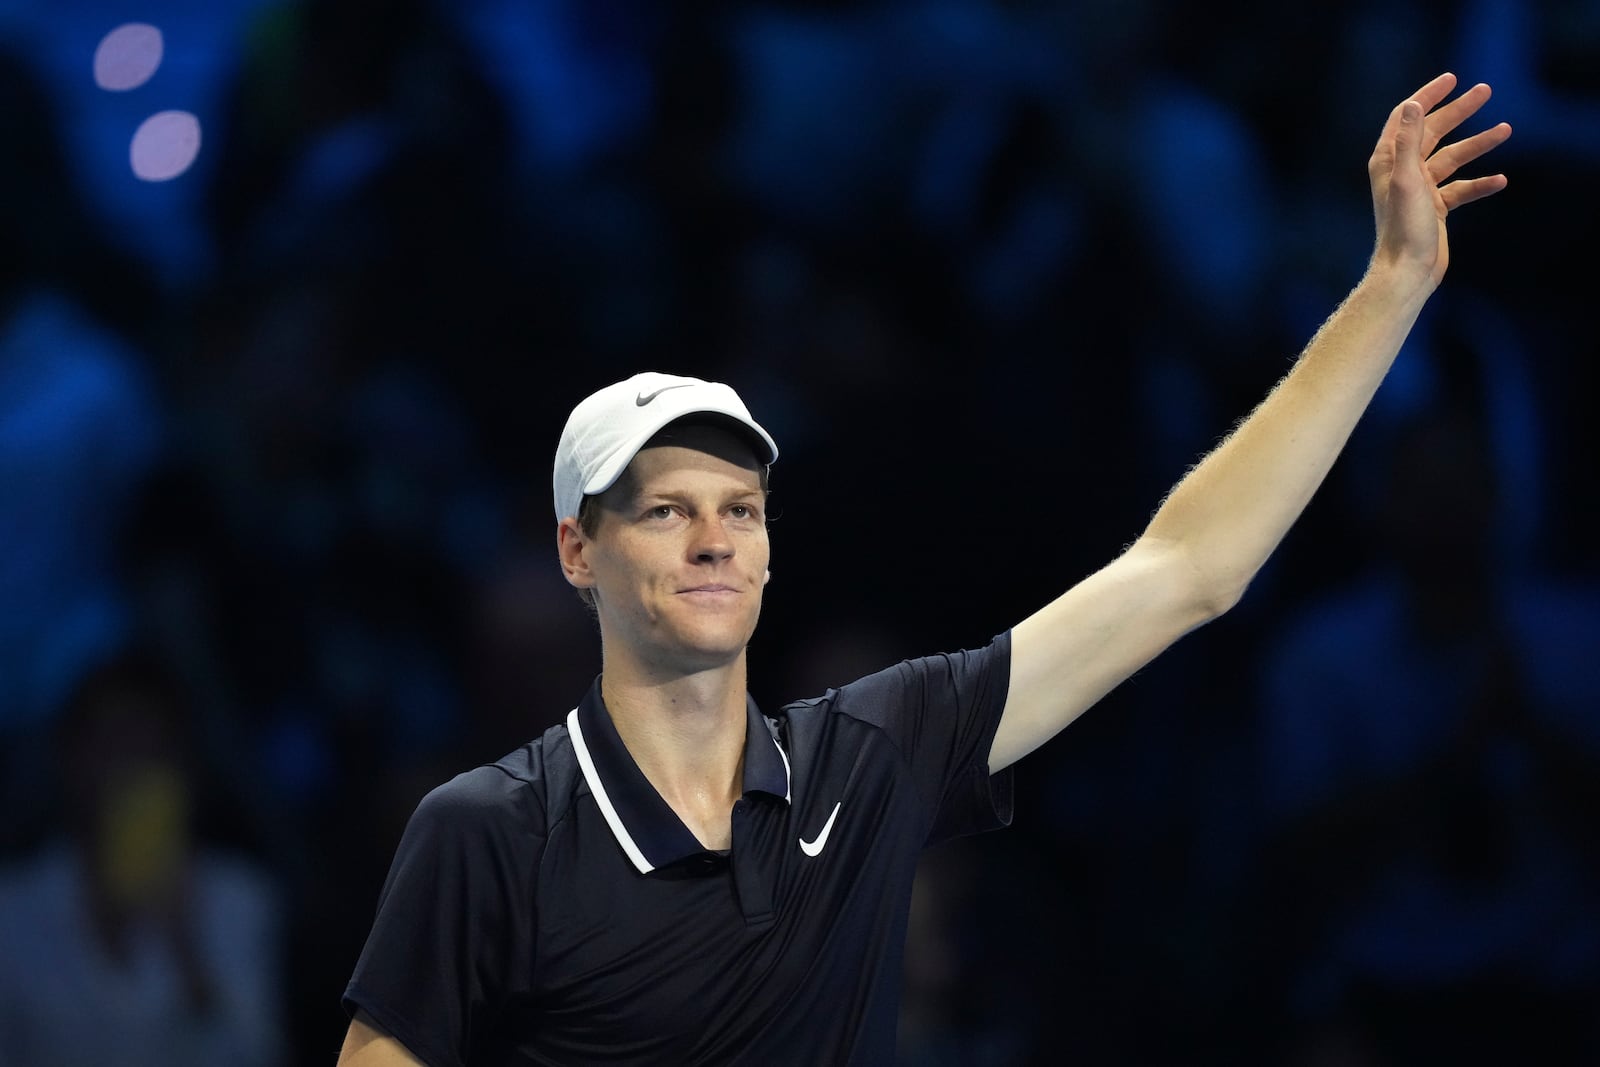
{"x":1232,"y":509}
{"x":1216,"y":529}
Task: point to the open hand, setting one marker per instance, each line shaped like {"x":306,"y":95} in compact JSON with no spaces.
{"x":1410,"y":173}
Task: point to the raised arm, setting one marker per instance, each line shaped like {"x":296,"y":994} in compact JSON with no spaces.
{"x":1218,"y":526}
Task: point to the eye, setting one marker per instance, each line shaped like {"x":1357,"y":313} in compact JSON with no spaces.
{"x":742,"y":511}
{"x":661,"y":511}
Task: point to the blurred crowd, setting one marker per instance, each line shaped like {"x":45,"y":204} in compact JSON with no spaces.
{"x":276,"y":548}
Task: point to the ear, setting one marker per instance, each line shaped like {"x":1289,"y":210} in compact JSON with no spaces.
{"x":766,"y":576}
{"x":570,"y":546}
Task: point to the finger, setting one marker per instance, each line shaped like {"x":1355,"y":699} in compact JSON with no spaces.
{"x":1451,"y":158}
{"x":1453,"y":114}
{"x":1431,"y":94}
{"x":1467,"y":190}
{"x":1428,"y":96}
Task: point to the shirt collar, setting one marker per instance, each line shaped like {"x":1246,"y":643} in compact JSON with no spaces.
{"x":646,"y":827}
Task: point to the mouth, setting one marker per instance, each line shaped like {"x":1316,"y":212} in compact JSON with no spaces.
{"x":709,"y":589}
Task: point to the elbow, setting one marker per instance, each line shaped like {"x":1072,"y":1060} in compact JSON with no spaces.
{"x":1219,"y":597}
{"x":1200,"y":592}
{"x":1213,"y":591}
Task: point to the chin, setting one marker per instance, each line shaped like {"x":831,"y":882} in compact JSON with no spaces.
{"x":709,"y":647}
{"x":717,"y":646}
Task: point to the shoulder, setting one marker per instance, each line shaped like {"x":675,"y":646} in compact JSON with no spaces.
{"x":526,"y":790}
{"x":920,"y":680}
{"x":931,"y":710}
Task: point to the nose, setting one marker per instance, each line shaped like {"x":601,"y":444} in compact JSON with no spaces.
{"x":711,"y":543}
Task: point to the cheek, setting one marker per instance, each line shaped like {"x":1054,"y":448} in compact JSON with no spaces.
{"x":630,"y":574}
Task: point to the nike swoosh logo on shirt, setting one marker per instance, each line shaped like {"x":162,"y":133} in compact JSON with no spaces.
{"x":814,"y":848}
{"x":644,"y":398}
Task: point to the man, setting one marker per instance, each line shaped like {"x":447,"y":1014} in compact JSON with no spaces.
{"x":672,"y":877}
{"x":129,"y":913}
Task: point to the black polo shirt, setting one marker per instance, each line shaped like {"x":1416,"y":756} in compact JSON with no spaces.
{"x":552,"y":909}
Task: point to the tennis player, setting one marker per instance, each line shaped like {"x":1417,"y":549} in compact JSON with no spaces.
{"x":672,"y":876}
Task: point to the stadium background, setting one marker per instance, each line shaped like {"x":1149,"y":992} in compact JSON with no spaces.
{"x":281,"y":373}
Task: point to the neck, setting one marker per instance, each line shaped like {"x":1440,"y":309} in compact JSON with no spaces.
{"x":686,"y":731}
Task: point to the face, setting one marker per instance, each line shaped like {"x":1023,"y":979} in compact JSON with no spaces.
{"x":679,"y":557}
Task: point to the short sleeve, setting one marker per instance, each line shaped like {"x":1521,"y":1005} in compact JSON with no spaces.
{"x":453,"y":937}
{"x":942,"y":712}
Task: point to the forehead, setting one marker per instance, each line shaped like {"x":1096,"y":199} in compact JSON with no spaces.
{"x":695,"y":448}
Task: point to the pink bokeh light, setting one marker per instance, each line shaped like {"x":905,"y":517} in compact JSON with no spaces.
{"x":165,"y":145}
{"x":127,"y":57}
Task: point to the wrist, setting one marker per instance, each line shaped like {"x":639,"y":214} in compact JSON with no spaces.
{"x":1409,"y":281}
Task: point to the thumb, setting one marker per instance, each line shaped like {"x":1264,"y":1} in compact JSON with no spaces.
{"x":1408,"y":138}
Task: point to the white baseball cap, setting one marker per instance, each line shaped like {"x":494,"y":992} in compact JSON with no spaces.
{"x":607,"y":429}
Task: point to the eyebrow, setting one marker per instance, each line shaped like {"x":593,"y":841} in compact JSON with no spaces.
{"x":644,"y":495}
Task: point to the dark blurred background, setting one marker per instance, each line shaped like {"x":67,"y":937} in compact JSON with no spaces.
{"x":295,"y":296}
